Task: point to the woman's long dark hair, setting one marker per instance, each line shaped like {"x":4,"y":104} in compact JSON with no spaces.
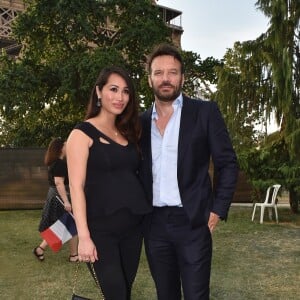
{"x":128,"y":121}
{"x":54,"y":151}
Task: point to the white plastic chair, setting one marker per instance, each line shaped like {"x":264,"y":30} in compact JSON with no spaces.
{"x":269,"y":203}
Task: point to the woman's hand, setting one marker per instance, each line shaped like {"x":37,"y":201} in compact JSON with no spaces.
{"x":67,"y":206}
{"x":87,"y":251}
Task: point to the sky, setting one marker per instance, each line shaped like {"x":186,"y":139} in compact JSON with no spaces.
{"x":212,"y":26}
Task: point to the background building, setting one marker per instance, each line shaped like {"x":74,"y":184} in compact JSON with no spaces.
{"x":10,"y":9}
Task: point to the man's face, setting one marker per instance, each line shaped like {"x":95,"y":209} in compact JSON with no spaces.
{"x":166,"y":78}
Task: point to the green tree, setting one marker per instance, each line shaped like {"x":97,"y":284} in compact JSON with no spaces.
{"x":282,"y":43}
{"x":65,"y":44}
{"x":260,"y":77}
{"x":282,"y":50}
{"x":200,"y":75}
{"x":242,"y":89}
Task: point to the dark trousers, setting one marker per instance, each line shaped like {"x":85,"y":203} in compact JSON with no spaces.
{"x":178,"y":255}
{"x":118,"y":240}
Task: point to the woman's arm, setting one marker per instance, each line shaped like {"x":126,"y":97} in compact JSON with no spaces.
{"x":61,"y":189}
{"x":77,"y":152}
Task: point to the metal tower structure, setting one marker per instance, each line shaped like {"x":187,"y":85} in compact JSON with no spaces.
{"x":9,"y":9}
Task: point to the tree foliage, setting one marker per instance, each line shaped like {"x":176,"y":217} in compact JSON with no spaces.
{"x":64,"y":45}
{"x":260,"y":77}
{"x":200,"y":75}
{"x":282,"y":42}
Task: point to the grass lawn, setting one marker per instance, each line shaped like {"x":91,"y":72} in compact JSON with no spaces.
{"x":250,"y":261}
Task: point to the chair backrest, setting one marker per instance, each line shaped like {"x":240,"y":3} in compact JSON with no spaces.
{"x":271,"y":198}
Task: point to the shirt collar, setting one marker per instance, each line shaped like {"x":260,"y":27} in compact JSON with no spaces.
{"x":177,"y":102}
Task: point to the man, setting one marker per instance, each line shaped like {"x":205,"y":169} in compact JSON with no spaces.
{"x":180,"y":137}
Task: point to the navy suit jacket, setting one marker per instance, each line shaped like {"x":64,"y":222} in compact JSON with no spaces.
{"x":203,"y":137}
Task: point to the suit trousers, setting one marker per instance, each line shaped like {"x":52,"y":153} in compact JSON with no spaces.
{"x":179,"y":256}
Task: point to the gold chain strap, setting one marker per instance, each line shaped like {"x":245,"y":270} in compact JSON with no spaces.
{"x":97,"y":281}
{"x":95,"y":278}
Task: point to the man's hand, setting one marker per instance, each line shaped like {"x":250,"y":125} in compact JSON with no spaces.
{"x":213,"y":221}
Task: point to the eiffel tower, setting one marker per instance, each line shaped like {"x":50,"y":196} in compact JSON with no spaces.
{"x":9,"y":10}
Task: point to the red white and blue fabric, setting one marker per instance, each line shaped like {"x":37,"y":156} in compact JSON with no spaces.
{"x":60,"y":232}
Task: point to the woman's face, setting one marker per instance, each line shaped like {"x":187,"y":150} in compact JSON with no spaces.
{"x":114,"y":95}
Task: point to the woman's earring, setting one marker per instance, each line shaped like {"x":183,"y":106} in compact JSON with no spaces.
{"x":98,"y":103}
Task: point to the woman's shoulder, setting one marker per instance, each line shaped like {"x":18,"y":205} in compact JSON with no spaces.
{"x":88,"y":128}
{"x":81,"y":132}
{"x":58,"y":167}
{"x":83,"y":125}
{"x":59,"y":162}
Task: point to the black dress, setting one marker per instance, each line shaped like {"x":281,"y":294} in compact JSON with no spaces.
{"x":53,"y":209}
{"x":116,"y":204}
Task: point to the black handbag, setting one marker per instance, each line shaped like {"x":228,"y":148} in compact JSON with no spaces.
{"x":78,"y":297}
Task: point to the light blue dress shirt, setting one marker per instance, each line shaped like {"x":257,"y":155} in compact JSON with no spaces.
{"x":164,"y":158}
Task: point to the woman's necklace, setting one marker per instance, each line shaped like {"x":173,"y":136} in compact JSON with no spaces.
{"x":115,"y":132}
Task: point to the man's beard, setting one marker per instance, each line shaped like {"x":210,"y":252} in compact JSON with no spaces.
{"x":167,"y":97}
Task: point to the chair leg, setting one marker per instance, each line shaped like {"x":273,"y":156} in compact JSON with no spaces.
{"x":262,"y":214}
{"x":254,"y":209}
{"x":276,"y":213}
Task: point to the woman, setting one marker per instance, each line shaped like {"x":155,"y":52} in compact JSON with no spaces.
{"x":108,"y":200}
{"x":58,"y":186}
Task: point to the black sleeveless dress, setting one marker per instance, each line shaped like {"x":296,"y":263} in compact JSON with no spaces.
{"x":111,"y":182}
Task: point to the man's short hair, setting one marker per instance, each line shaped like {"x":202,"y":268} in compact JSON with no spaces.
{"x":164,"y":49}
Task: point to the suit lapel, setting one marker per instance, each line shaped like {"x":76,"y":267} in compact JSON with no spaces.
{"x":147,"y":138}
{"x":187,"y":123}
